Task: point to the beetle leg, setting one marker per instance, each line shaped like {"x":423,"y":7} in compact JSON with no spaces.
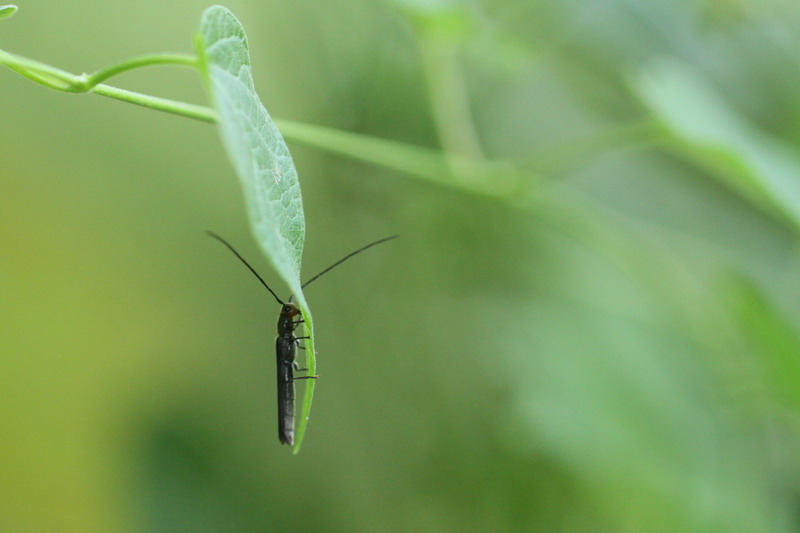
{"x":297,"y":341}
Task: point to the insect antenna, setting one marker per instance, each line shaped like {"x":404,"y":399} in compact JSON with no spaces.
{"x":242,"y":259}
{"x":348,"y":256}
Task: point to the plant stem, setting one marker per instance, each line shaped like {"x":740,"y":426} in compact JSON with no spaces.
{"x":197,"y":112}
{"x":41,"y":73}
{"x":450,"y":104}
{"x":576,"y":151}
{"x":416,"y":160}
{"x":102,"y":75}
{"x":61,"y":80}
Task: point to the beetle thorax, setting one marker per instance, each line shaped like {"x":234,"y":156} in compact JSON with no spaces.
{"x":286,"y":320}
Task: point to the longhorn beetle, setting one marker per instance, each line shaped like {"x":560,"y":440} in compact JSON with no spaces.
{"x":287,"y":342}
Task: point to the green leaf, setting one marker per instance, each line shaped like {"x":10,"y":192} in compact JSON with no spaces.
{"x":710,"y":132}
{"x":7,"y":11}
{"x":261,"y":160}
{"x":254,"y":144}
{"x":772,"y":340}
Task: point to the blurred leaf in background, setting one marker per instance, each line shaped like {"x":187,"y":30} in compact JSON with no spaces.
{"x":590,"y":324}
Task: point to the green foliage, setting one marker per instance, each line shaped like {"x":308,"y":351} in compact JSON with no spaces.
{"x":255,"y":146}
{"x":591,"y":325}
{"x":760,"y":168}
{"x":261,"y":159}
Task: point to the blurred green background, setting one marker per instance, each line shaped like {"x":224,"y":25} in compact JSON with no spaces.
{"x":591,"y":322}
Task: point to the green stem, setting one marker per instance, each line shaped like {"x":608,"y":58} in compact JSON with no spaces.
{"x":137,"y":62}
{"x":635,"y":134}
{"x":61,"y":80}
{"x":450,"y":104}
{"x":424,"y":163}
{"x":416,"y":160}
{"x":41,"y":73}
{"x":497,"y":178}
{"x":197,"y":112}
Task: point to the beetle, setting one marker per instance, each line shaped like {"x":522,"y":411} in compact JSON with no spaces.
{"x":287,"y":342}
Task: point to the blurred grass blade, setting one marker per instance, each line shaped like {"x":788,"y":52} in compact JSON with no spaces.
{"x":261,"y":159}
{"x":759,"y":167}
{"x":771,"y":338}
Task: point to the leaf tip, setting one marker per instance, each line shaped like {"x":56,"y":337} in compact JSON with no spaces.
{"x":7,"y":11}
